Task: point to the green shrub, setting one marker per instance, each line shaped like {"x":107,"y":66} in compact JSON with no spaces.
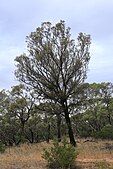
{"x":60,"y":156}
{"x":2,"y":147}
{"x":105,"y":133}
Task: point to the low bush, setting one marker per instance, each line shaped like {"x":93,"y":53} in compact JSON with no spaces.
{"x":60,"y":155}
{"x":2,"y":147}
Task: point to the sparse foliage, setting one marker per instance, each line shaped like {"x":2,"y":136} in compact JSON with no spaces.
{"x":56,"y":67}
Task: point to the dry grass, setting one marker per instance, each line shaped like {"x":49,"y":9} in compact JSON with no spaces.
{"x":92,"y":153}
{"x":28,"y":156}
{"x":95,"y":150}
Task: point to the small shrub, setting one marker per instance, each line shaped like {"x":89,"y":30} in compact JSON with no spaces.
{"x":2,"y":147}
{"x":60,"y":156}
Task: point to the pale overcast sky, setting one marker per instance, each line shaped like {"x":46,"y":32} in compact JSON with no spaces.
{"x":20,"y":17}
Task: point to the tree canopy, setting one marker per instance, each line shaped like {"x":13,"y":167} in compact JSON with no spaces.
{"x":56,"y":66}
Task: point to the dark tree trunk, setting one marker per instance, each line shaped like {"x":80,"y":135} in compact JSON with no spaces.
{"x":22,"y":127}
{"x":109,"y":118}
{"x":16,"y":141}
{"x":48,"y":133}
{"x":10,"y":143}
{"x":68,"y":122}
{"x":59,"y":127}
{"x":47,"y":128}
{"x":37,"y":138}
{"x":70,"y":131}
{"x":22,"y":131}
{"x":32,"y":136}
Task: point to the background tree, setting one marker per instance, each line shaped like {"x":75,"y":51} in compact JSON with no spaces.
{"x":96,"y":111}
{"x":34,"y":128}
{"x":21,"y":105}
{"x":52,"y":111}
{"x":55,"y":66}
{"x":107,"y":96}
{"x":9,"y":126}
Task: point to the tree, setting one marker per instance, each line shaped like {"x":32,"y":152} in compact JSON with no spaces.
{"x":107,"y":95}
{"x":9,"y":126}
{"x":4,"y":100}
{"x":55,"y":66}
{"x":21,"y":105}
{"x":34,"y":128}
{"x":51,"y":109}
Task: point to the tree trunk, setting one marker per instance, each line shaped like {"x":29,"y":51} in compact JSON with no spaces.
{"x":109,"y":118}
{"x":48,"y":133}
{"x":23,"y":126}
{"x":59,"y":127}
{"x":109,"y":114}
{"x":32,"y":136}
{"x":22,"y":131}
{"x":68,"y":122}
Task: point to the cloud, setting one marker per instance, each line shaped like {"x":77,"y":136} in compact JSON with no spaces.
{"x":101,"y":63}
{"x":7,"y":66}
{"x":19,"y":18}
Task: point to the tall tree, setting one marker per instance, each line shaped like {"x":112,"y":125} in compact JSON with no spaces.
{"x":55,"y":66}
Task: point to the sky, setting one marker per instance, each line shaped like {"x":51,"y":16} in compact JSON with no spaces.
{"x":20,"y":17}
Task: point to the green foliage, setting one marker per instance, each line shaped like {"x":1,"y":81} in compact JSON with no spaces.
{"x":60,"y":156}
{"x":105,"y":133}
{"x":2,"y":147}
{"x":56,"y":66}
